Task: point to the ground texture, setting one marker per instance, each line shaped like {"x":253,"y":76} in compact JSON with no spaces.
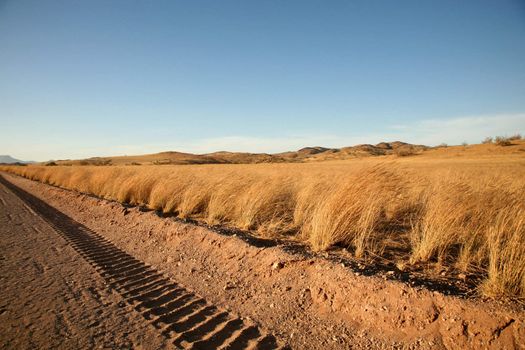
{"x":51,"y":298}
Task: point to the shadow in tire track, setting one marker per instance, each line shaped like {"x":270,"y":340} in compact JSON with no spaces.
{"x":181,"y":315}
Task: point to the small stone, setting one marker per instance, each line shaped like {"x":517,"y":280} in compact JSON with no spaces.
{"x":277,"y":265}
{"x":390,"y":273}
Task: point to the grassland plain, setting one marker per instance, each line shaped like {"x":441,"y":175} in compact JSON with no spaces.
{"x":457,"y":208}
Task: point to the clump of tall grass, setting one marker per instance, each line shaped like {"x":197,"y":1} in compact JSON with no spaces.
{"x":353,"y":211}
{"x":506,"y":246}
{"x":265,"y":205}
{"x":456,"y":213}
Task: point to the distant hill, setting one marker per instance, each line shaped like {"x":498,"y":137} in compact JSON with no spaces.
{"x":6,"y":159}
{"x":306,"y":154}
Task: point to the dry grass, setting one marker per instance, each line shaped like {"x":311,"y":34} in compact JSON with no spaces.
{"x":460,"y":207}
{"x":354,"y":212}
{"x":506,"y":242}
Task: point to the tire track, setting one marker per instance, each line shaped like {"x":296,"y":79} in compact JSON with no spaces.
{"x":178,"y":313}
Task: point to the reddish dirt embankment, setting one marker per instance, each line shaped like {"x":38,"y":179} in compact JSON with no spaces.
{"x":306,"y":302}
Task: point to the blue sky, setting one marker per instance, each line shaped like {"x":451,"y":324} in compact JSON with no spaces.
{"x":87,"y":78}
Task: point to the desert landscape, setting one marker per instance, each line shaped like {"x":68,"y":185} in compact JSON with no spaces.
{"x":391,"y":249}
{"x":258,"y":175}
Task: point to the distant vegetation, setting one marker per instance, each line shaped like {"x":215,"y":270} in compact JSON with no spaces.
{"x":436,"y":210}
{"x":405,"y":151}
{"x":95,"y":161}
{"x":503,"y":140}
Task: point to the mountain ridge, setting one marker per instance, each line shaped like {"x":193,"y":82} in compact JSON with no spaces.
{"x":305,"y":154}
{"x":7,"y":159}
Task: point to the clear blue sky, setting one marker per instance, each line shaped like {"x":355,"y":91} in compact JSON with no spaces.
{"x":86,"y":78}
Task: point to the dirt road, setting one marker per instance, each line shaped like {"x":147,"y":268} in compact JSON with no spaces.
{"x":64,"y":286}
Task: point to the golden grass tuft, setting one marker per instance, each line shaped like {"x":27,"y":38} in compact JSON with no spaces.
{"x":506,"y":267}
{"x":353,"y":211}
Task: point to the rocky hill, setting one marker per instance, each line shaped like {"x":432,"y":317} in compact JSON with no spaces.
{"x":222,"y":157}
